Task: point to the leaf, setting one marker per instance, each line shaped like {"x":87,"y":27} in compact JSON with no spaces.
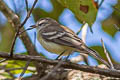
{"x":7,"y":34}
{"x":100,"y":50}
{"x":4,"y":75}
{"x":84,"y":10}
{"x":57,"y":10}
{"x":17,"y":64}
{"x":108,"y":24}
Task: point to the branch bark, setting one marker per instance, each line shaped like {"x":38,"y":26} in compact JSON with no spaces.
{"x":15,"y":20}
{"x":91,"y":69}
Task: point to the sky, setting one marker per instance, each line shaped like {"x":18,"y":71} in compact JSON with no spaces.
{"x":68,"y":19}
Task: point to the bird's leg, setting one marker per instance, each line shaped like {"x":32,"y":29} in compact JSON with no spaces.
{"x":60,"y":55}
{"x":66,"y":59}
{"x":69,"y":55}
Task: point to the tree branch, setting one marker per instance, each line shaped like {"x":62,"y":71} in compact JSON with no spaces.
{"x":28,"y":14}
{"x":91,"y":69}
{"x":15,"y":20}
{"x":26,"y":2}
{"x":24,"y":70}
{"x":20,"y":26}
{"x":107,"y":55}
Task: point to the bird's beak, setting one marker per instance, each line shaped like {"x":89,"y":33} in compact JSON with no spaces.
{"x":33,"y":26}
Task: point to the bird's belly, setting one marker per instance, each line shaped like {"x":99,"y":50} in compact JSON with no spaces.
{"x":55,"y":48}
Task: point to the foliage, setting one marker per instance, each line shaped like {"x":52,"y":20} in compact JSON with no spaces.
{"x":113,"y":20}
{"x":84,"y":11}
{"x":57,"y":10}
{"x":6,"y":41}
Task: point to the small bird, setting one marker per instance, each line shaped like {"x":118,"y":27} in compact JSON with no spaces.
{"x":57,"y":38}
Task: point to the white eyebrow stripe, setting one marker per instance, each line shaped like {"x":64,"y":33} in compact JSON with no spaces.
{"x":49,"y":33}
{"x":57,"y":35}
{"x":42,"y":21}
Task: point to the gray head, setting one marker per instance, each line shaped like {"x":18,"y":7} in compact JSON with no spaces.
{"x":44,"y":22}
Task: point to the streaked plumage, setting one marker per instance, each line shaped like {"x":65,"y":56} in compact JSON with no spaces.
{"x":57,"y":38}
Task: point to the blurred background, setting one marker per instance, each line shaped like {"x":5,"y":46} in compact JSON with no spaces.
{"x":102,"y":27}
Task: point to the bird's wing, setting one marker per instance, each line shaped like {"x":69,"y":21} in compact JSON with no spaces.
{"x":68,"y":38}
{"x":63,"y":36}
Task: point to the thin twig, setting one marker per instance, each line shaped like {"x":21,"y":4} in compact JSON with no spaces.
{"x":101,"y":3}
{"x":15,"y":22}
{"x":29,"y":13}
{"x":13,"y":43}
{"x":25,"y":31}
{"x":78,"y":32}
{"x":26,"y":2}
{"x":53,"y":71}
{"x":69,"y":65}
{"x":20,"y":26}
{"x":24,"y":70}
{"x":107,"y":55}
{"x":11,"y":74}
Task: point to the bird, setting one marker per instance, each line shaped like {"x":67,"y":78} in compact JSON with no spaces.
{"x":57,"y":38}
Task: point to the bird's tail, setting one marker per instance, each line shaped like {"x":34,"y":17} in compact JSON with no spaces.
{"x":97,"y":56}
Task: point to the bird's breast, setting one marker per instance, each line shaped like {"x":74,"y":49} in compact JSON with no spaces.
{"x":53,"y":47}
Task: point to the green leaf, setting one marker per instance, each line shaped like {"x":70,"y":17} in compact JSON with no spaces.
{"x":84,"y":10}
{"x":5,"y":75}
{"x":17,"y":64}
{"x":57,"y":10}
{"x":100,"y":50}
{"x":7,"y":35}
{"x":108,"y":24}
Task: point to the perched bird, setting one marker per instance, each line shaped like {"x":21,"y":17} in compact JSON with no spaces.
{"x":57,"y":38}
